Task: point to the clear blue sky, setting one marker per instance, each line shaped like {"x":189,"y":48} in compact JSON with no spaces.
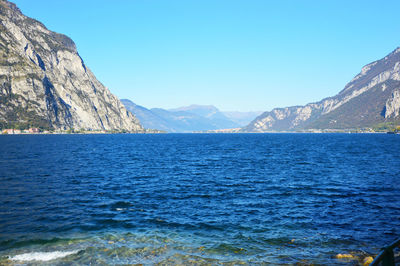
{"x":237,"y":55}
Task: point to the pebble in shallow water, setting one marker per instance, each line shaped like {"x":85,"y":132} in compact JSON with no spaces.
{"x":368,"y":260}
{"x":345,"y":256}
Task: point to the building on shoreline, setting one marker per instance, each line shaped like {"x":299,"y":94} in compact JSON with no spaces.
{"x":12,"y":131}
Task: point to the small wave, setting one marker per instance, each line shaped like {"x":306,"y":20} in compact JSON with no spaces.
{"x":121,"y":204}
{"x":43,"y":256}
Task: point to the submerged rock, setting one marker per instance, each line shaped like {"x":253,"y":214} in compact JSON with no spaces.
{"x":345,"y":256}
{"x":368,"y":260}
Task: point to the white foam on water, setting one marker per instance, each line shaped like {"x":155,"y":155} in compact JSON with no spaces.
{"x":42,"y":256}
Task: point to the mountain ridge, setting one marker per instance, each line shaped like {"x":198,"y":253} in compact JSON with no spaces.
{"x":370,"y":98}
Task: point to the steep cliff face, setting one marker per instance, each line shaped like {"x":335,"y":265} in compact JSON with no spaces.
{"x":369,"y":98}
{"x":45,"y":83}
{"x":392,"y":107}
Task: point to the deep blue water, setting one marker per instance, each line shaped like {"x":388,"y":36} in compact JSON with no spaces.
{"x":197,"y":198}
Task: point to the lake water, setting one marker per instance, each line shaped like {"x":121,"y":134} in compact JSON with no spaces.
{"x":212,"y":199}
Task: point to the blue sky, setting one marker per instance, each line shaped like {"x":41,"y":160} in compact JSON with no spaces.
{"x":237,"y":55}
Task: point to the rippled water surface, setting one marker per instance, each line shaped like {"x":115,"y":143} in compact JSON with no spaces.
{"x":211,"y":199}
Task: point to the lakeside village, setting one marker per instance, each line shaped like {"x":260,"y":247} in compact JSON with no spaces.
{"x":33,"y":130}
{"x":11,"y":131}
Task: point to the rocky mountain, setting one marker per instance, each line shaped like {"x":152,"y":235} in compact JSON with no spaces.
{"x":45,"y":83}
{"x":184,"y":119}
{"x":370,"y":98}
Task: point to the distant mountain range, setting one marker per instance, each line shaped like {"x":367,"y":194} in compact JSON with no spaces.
{"x":189,"y":118}
{"x":370,"y":98}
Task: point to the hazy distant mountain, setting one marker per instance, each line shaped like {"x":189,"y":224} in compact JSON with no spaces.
{"x":242,"y":118}
{"x":372,"y":97}
{"x":216,"y":118}
{"x":45,"y":83}
{"x":181,"y":121}
{"x":184,"y":119}
{"x":201,"y":110}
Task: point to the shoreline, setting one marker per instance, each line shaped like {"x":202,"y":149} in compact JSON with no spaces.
{"x":194,"y":133}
